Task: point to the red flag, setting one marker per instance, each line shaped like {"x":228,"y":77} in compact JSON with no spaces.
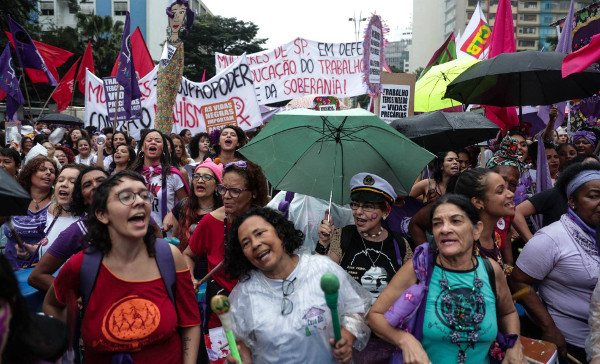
{"x":142,"y":60}
{"x":64,"y":91}
{"x":88,"y":62}
{"x":204,"y":75}
{"x":502,"y":40}
{"x":53,"y":57}
{"x":582,"y":58}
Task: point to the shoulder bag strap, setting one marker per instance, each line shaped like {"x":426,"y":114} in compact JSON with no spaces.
{"x":166,"y":266}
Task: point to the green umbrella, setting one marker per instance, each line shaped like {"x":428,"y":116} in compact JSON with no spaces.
{"x":316,"y":153}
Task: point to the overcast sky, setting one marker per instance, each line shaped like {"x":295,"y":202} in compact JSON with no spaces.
{"x":319,"y":20}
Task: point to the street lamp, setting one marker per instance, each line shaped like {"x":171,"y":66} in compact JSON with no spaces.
{"x":357,"y":26}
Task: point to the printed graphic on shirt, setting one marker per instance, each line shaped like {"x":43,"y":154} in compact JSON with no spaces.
{"x":130,"y":319}
{"x":155,"y":189}
{"x":373,"y":278}
{"x":315,"y":319}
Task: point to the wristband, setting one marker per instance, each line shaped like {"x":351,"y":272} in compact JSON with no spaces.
{"x":321,"y":249}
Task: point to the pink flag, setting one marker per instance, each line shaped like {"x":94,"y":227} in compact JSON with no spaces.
{"x":583,"y":58}
{"x":502,"y":40}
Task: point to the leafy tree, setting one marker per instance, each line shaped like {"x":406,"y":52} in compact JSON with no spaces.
{"x":106,"y":38}
{"x":418,"y":72}
{"x":21,"y":11}
{"x":396,"y":69}
{"x":212,"y":34}
{"x":553,"y":42}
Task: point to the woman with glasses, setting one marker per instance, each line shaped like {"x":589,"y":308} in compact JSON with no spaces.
{"x":369,"y":252}
{"x":203,"y":200}
{"x":243,"y":186}
{"x":278,"y":309}
{"x":129,"y":315}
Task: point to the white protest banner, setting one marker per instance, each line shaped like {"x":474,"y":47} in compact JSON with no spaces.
{"x":375,"y":55}
{"x":397,"y":96}
{"x":474,"y":41}
{"x":227,"y":98}
{"x":304,"y":67}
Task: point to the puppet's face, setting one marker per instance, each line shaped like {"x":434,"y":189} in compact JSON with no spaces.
{"x":178,"y":19}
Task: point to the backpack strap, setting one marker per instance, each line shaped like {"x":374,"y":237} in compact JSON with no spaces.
{"x":491,"y":275}
{"x":399,"y":246}
{"x":88,"y":273}
{"x":166,"y":266}
{"x":92,"y":259}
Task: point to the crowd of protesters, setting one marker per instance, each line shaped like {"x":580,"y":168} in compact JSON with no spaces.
{"x":471,"y":233}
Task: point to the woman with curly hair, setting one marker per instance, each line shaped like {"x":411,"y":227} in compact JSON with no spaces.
{"x":129,"y":287}
{"x":154,"y":161}
{"x":230,"y":139}
{"x":260,"y":253}
{"x":64,"y":155}
{"x":123,"y":158}
{"x":243,"y":186}
{"x":445,"y":166}
{"x":37,"y":178}
{"x":200,"y":148}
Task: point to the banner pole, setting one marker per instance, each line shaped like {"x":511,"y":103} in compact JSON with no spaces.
{"x":116,"y":108}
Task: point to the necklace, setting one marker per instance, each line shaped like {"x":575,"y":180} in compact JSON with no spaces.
{"x":367,"y":235}
{"x":37,"y":203}
{"x":463,"y":313}
{"x":367,"y":253}
{"x":209,"y":208}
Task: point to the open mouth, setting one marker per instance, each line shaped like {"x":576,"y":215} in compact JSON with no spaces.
{"x":228,"y":142}
{"x":138,"y":219}
{"x":200,"y":188}
{"x":447,"y":242}
{"x":510,"y":204}
{"x":262,"y":256}
{"x":63,"y":194}
{"x":152,"y":149}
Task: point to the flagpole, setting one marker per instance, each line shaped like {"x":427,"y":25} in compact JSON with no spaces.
{"x":116,"y":108}
{"x":27,"y":93}
{"x":46,"y":103}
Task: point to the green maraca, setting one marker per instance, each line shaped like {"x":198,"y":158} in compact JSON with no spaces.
{"x":220,"y":305}
{"x":330,"y":285}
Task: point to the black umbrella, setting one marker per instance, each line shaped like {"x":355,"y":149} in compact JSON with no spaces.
{"x":61,"y":119}
{"x":522,"y":78}
{"x":439,"y":131}
{"x":15,"y":200}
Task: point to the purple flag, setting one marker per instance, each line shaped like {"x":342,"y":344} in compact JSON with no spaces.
{"x":27,"y":53}
{"x":9,"y":83}
{"x":563,"y":46}
{"x":543,"y":178}
{"x":126,"y":75}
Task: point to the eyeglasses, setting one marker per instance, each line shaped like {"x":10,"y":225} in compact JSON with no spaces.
{"x":203,"y":177}
{"x":127,"y":198}
{"x":366,"y":207}
{"x":233,"y":191}
{"x":287,"y":306}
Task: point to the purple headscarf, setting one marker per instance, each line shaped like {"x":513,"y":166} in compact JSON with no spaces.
{"x":589,"y":135}
{"x":189,"y":14}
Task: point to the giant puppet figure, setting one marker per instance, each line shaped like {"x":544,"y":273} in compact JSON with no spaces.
{"x":181,"y":19}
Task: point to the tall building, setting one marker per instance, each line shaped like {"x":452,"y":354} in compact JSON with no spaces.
{"x":397,"y":52}
{"x":148,"y":15}
{"x":532,"y":20}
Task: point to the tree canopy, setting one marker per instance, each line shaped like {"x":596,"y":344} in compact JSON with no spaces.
{"x":212,"y":34}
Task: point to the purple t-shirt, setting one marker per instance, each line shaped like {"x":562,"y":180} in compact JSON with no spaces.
{"x":30,"y":229}
{"x":567,"y":276}
{"x":70,"y":241}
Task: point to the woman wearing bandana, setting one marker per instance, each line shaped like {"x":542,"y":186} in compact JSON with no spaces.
{"x":563,"y":262}
{"x":585,"y":141}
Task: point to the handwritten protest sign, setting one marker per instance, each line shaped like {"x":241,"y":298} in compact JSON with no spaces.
{"x":234,"y":85}
{"x":373,"y":59}
{"x":397,"y":96}
{"x":304,"y":67}
{"x":111,"y":88}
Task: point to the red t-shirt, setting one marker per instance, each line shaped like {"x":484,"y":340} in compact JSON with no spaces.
{"x":502,"y":228}
{"x":207,"y":241}
{"x":130,"y":316}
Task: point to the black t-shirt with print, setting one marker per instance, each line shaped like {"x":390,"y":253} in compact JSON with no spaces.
{"x":373,"y":277}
